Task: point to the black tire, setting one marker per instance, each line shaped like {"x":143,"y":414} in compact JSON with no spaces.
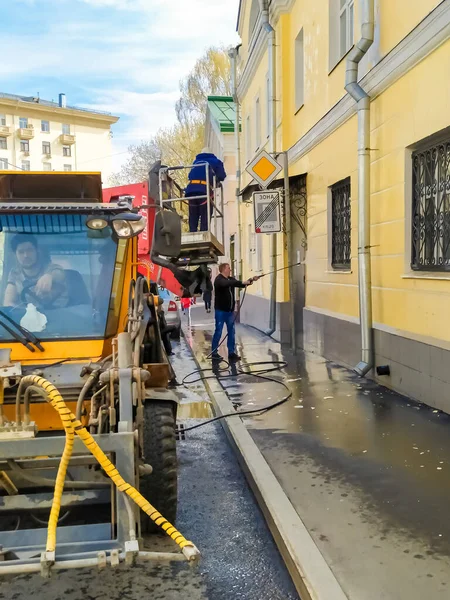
{"x":160,"y":451}
{"x":176,"y":334}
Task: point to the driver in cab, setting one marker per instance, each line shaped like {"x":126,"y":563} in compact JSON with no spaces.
{"x":34,"y":279}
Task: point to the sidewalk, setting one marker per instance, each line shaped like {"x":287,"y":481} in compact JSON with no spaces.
{"x":366,"y":469}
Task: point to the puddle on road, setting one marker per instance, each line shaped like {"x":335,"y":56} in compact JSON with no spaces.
{"x":193,"y":403}
{"x":195,"y":410}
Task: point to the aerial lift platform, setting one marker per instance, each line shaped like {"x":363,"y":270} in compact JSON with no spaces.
{"x":197,"y":248}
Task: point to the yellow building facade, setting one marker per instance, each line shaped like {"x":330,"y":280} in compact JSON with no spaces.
{"x":39,"y":135}
{"x":405,"y":75}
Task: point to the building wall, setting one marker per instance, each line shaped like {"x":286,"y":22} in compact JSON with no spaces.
{"x":91,"y":151}
{"x":256,"y":253}
{"x":222,"y":144}
{"x":410,"y":101}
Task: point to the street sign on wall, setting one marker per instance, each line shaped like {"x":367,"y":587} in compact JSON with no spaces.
{"x":264,"y":168}
{"x":266,"y":206}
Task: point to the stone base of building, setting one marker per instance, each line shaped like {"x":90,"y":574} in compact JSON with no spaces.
{"x":418,"y":370}
{"x":256,"y":312}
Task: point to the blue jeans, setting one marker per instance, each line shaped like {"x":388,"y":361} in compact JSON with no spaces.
{"x":222,"y":318}
{"x":198,"y":212}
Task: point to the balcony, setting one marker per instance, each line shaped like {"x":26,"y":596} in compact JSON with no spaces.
{"x":26,"y":133}
{"x":67,"y":139}
{"x":5,"y":130}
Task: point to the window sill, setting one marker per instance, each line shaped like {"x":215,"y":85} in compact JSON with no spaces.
{"x":339,"y":271}
{"x":335,"y":66}
{"x":444,"y":276}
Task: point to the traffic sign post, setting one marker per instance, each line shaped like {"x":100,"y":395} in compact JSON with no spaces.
{"x":266,"y":206}
{"x":264,"y":169}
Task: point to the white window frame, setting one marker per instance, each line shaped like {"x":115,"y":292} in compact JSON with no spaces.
{"x":258,"y":136}
{"x":26,"y":166}
{"x":23,"y":120}
{"x":347,"y":16}
{"x":4,"y":164}
{"x":67,"y":151}
{"x":3,"y":120}
{"x":248,"y":138}
{"x":67,"y":168}
{"x":3,"y":141}
{"x":24,"y":145}
{"x":66,"y":128}
{"x":48,"y":165}
{"x":47,"y":124}
{"x":46,"y":145}
{"x":299,"y":57}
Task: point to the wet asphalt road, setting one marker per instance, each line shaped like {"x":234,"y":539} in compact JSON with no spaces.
{"x":367,"y":470}
{"x":216,"y":510}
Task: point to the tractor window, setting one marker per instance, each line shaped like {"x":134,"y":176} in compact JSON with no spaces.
{"x":56,"y":275}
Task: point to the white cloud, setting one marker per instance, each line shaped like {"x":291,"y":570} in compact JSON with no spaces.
{"x":128,"y":61}
{"x":148,"y":112}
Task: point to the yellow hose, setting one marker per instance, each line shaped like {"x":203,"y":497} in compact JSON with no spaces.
{"x":72,"y":426}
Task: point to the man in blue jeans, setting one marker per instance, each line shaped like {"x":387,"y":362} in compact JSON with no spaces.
{"x":224,"y":303}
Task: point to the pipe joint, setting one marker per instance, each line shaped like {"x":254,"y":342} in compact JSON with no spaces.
{"x":356,"y":91}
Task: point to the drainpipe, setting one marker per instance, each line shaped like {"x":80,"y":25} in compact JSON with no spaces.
{"x":363,"y":109}
{"x":271,"y":47}
{"x":233,"y":54}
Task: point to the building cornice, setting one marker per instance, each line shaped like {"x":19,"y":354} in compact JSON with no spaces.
{"x":279,"y":7}
{"x":252,"y":64}
{"x":241,"y":13}
{"x":431,"y":33}
{"x":257,"y":43}
{"x":57,"y":110}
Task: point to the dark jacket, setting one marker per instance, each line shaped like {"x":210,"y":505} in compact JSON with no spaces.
{"x":198,"y":173}
{"x":224,"y":292}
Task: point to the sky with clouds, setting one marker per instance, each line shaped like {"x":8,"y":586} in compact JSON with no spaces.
{"x":122,"y":56}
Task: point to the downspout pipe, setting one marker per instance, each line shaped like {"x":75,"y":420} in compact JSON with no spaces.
{"x":363,"y":109}
{"x":233,"y":54}
{"x":271,"y":47}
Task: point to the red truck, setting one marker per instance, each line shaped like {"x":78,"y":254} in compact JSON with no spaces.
{"x":139,"y":192}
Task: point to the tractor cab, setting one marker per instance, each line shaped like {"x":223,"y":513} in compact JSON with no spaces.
{"x":61,"y":262}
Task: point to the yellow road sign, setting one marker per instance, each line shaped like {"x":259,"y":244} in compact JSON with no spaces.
{"x":264,"y":168}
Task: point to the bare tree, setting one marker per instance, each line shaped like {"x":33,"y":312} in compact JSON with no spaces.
{"x":211,"y":76}
{"x":136,"y":168}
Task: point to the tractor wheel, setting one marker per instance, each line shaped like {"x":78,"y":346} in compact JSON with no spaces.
{"x":160,"y":451}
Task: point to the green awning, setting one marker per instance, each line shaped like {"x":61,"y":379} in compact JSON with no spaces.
{"x":223,"y":111}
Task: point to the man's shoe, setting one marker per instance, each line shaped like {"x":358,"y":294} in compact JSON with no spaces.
{"x":216,"y":356}
{"x":234,"y":357}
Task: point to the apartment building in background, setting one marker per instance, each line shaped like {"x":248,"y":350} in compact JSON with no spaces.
{"x":298,"y":103}
{"x":38,"y":135}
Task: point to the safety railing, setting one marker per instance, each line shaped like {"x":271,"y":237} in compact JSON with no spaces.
{"x":172,"y":197}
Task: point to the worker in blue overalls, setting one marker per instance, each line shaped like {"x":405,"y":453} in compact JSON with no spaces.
{"x":198,"y":207}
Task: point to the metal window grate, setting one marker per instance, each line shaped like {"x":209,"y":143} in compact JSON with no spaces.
{"x":431,"y":209}
{"x":341,"y":224}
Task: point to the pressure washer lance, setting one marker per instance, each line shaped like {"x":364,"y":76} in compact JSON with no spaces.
{"x":276,"y":271}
